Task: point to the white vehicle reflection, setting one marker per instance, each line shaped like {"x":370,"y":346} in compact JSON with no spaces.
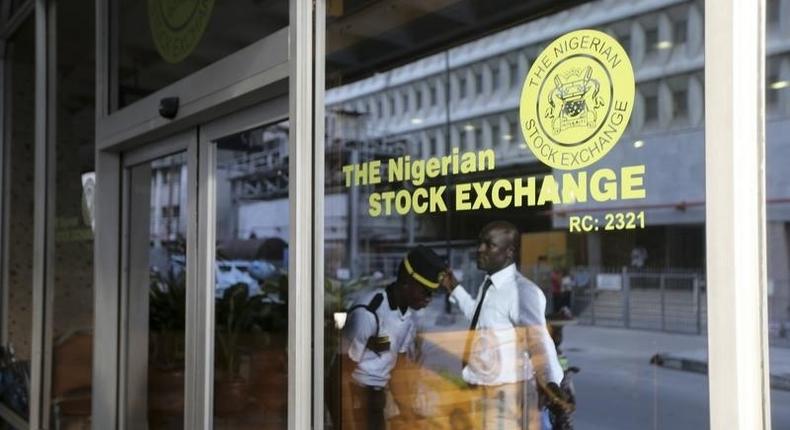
{"x":251,"y":273}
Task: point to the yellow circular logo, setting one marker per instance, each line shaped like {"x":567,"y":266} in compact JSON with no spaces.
{"x":577,"y":99}
{"x":178,"y":25}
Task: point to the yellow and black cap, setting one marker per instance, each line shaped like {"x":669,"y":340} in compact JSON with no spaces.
{"x":424,"y":266}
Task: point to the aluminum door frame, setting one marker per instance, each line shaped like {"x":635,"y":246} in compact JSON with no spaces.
{"x":126,"y":299}
{"x":281,"y":63}
{"x":268,"y":112}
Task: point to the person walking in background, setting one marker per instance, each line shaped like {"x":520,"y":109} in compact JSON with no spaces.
{"x":507,"y":337}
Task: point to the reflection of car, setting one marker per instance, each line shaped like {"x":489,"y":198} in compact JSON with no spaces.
{"x":231,"y":272}
{"x":252,"y":262}
{"x":250,"y":273}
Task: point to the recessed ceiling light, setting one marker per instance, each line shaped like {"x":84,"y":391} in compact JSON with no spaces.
{"x":469,"y":127}
{"x":639,"y":143}
{"x":778,"y":85}
{"x":416,"y":121}
{"x":664,"y":44}
{"x":507,"y":137}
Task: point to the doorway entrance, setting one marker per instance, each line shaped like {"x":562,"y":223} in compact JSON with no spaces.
{"x":203,"y":306}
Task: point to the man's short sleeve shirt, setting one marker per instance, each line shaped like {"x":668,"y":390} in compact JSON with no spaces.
{"x":374,"y":369}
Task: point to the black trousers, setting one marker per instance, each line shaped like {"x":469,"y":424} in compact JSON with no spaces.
{"x":368,"y":407}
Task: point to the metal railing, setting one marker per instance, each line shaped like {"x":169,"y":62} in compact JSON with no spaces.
{"x":663,"y":301}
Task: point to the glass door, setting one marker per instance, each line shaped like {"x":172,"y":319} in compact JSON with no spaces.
{"x":204,"y":299}
{"x":244,"y":188}
{"x":155,"y":295}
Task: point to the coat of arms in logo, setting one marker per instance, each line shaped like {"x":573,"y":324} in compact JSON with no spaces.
{"x":574,"y":102}
{"x":178,"y":25}
{"x":577,"y":99}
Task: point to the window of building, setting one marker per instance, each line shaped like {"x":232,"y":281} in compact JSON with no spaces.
{"x":625,"y":41}
{"x":479,"y":83}
{"x":515,"y":79}
{"x":664,"y":262}
{"x":175,"y":211}
{"x":771,"y":94}
{"x":513,"y":128}
{"x":680,"y":105}
{"x":651,"y":39}
{"x":404,"y":100}
{"x":680,"y":30}
{"x":18,"y":215}
{"x":772,"y":15}
{"x":432,"y":94}
{"x":72,"y":304}
{"x":418,"y":98}
{"x":462,"y":88}
{"x":651,"y":108}
{"x":777,"y":208}
{"x":463,"y":138}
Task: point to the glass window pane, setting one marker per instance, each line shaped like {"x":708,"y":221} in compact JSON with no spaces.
{"x":19,"y":161}
{"x":160,"y":42}
{"x":251,"y":306}
{"x":72,"y":304}
{"x":157,"y":294}
{"x":589,"y":270}
{"x":777,"y":127}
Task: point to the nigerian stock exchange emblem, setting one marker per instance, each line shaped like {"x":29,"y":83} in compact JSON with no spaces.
{"x":178,"y":25}
{"x":577,"y":99}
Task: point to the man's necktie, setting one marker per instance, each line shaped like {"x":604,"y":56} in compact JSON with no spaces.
{"x":473,"y":326}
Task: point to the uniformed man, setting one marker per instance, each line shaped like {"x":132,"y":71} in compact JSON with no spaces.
{"x":379,"y":333}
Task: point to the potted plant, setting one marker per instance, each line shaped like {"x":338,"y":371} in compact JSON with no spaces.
{"x":167,"y":323}
{"x":238,"y":314}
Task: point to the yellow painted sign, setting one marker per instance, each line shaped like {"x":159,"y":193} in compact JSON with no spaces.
{"x":178,"y":25}
{"x":577,"y":99}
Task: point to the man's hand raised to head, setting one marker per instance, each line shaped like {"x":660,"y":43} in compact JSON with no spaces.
{"x":448,"y":281}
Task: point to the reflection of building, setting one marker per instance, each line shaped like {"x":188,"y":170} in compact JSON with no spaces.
{"x":252,"y":174}
{"x":481,"y":80}
{"x":169,"y":198}
{"x":252,"y":181}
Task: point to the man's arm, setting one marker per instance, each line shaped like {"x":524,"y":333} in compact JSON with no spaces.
{"x":540,"y":346}
{"x":458,"y":295}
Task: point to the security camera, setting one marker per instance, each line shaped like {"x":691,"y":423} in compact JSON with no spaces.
{"x":168,"y":107}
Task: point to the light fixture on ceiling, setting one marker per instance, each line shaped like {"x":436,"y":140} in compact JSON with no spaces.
{"x":664,"y":44}
{"x":416,"y":121}
{"x":639,"y":144}
{"x":469,"y":127}
{"x":778,"y":85}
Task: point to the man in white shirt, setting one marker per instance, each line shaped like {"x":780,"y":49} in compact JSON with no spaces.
{"x":508,"y":338}
{"x":380,"y":331}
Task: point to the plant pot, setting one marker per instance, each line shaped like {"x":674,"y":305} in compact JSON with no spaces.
{"x":166,"y":390}
{"x":231,"y":396}
{"x":269,"y":376}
